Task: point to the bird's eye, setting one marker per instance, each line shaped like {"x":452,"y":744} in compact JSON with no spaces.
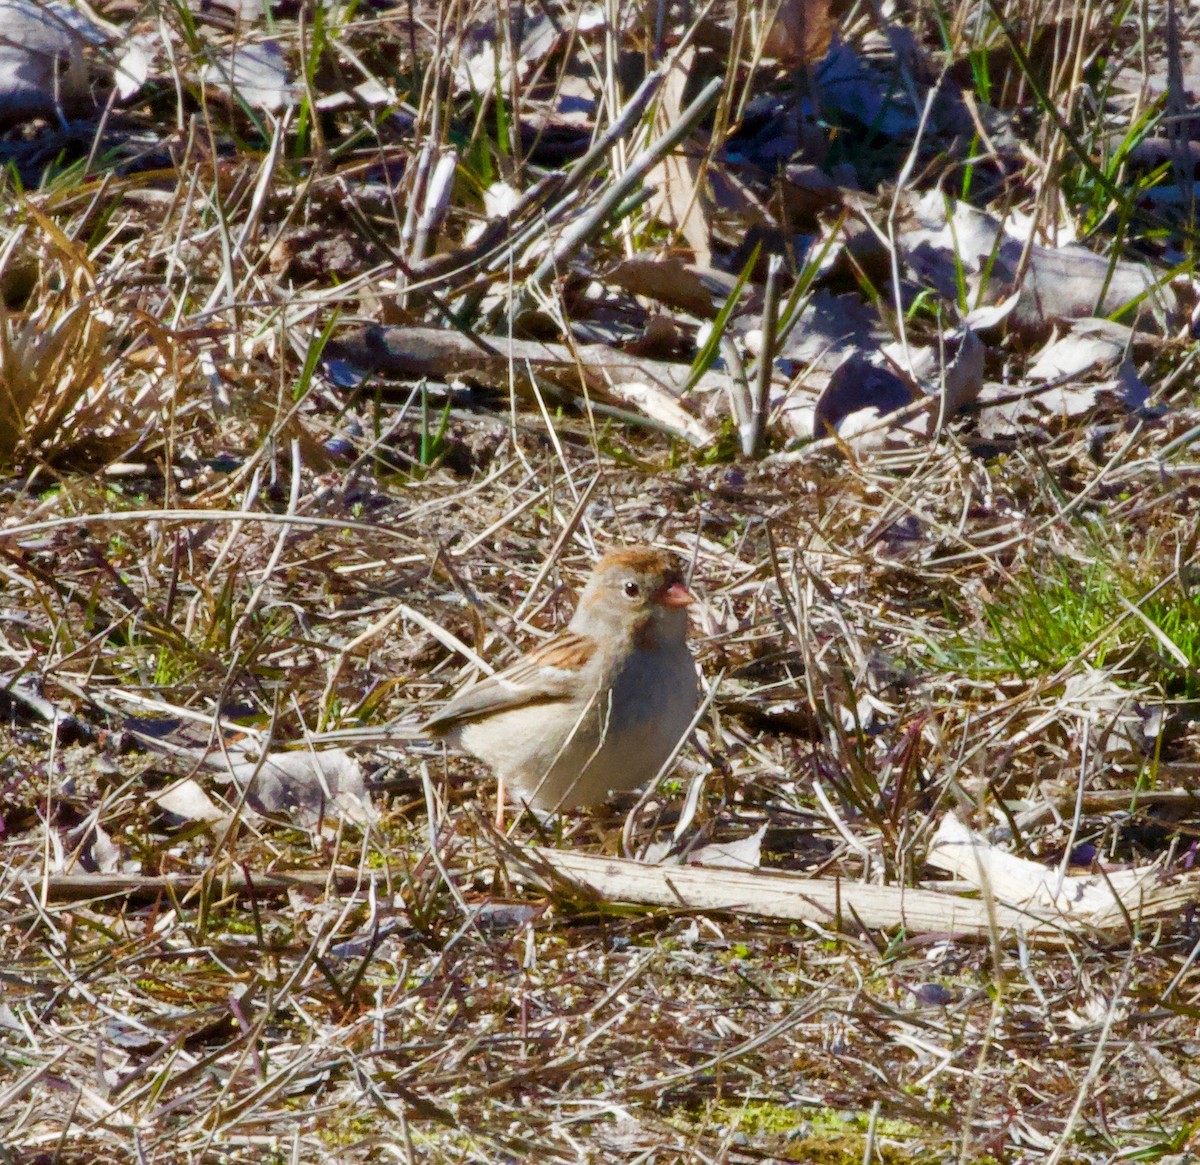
{"x":632,"y":589}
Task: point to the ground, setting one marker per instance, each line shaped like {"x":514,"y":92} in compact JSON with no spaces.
{"x":235,"y":521}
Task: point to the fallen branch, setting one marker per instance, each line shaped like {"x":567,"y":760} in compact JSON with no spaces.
{"x":595,"y":371}
{"x":90,"y":887}
{"x":830,"y":902}
{"x":1111,"y":901}
{"x":1018,"y":897}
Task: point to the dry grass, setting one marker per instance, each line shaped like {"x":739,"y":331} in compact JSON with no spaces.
{"x":210,"y":542}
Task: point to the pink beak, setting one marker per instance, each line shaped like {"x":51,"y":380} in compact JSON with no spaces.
{"x":676,"y":595}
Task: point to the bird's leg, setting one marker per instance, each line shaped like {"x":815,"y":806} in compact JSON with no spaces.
{"x":498,"y":821}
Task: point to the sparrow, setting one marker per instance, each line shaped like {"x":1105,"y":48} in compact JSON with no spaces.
{"x":599,"y":707}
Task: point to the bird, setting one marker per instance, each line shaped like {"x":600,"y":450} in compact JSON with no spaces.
{"x":599,"y":707}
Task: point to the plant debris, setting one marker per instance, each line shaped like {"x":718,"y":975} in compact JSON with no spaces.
{"x":338,"y":342}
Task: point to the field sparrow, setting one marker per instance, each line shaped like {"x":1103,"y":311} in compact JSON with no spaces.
{"x":601,"y":705}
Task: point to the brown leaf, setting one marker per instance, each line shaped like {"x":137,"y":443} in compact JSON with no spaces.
{"x":801,"y":32}
{"x":669,"y":280}
{"x":680,"y":200}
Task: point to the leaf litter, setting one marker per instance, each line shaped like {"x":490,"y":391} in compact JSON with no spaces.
{"x":336,"y":346}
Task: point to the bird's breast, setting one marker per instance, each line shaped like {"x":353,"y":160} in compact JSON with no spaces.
{"x":656,"y":687}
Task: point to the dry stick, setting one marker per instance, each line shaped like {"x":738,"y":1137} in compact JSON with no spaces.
{"x":434,"y":819}
{"x":434,"y":201}
{"x":277,"y":549}
{"x":628,"y":118}
{"x":1077,"y":816}
{"x":577,"y":235}
{"x":137,"y":517}
{"x":906,"y":413}
{"x":767,"y":893}
{"x":93,"y":887}
{"x":752,"y":440}
{"x":740,"y":403}
{"x":499,"y":237}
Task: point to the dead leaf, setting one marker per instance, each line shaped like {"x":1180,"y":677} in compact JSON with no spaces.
{"x":132,"y":67}
{"x":680,"y":200}
{"x":44,"y":64}
{"x":860,"y":393}
{"x":669,"y":280}
{"x":306,"y":786}
{"x":1063,"y":283}
{"x":255,"y":72}
{"x":104,"y":853}
{"x":951,"y":376}
{"x":743,"y":854}
{"x":486,"y":63}
{"x":187,"y":800}
{"x":806,"y":191}
{"x":1089,"y":344}
{"x":801,"y":32}
{"x":831,"y":327}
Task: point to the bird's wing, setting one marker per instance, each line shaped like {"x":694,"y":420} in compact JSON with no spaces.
{"x":549,"y":673}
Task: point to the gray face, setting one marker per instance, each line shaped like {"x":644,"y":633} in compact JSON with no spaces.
{"x":619,"y":600}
